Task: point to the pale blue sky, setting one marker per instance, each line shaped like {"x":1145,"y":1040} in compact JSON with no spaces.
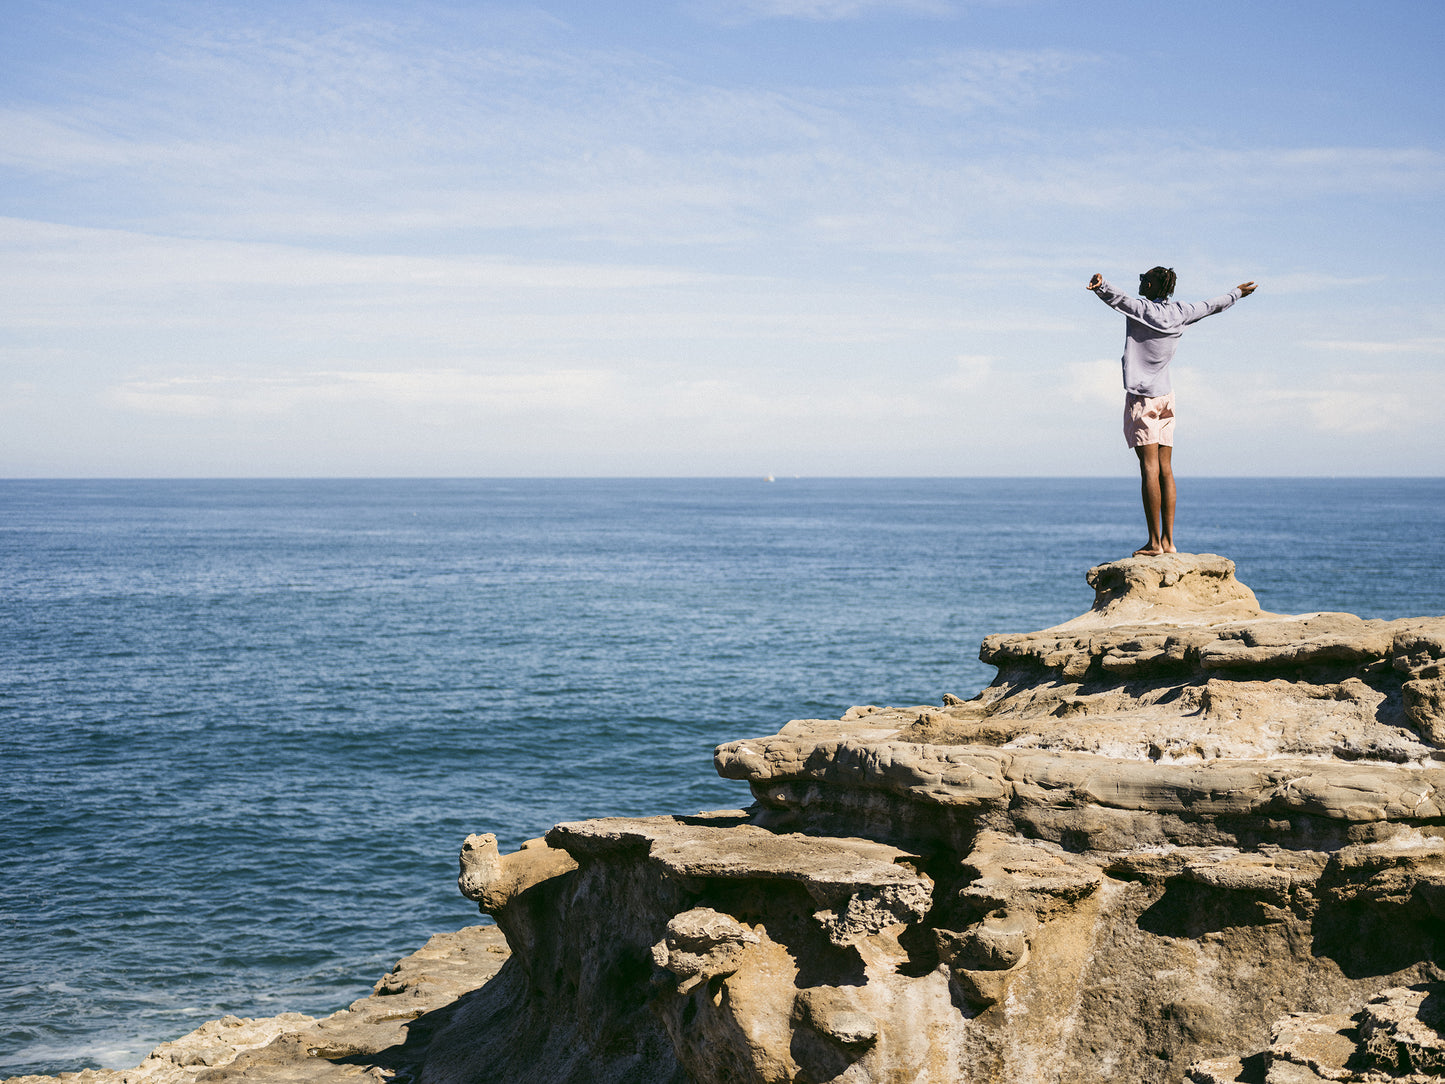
{"x":712,"y":237}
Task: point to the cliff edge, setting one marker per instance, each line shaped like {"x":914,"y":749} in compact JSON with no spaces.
{"x":1177,"y":838}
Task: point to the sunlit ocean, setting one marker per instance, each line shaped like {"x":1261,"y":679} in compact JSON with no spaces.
{"x":245,"y":725}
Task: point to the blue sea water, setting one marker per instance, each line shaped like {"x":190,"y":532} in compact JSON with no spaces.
{"x":245,"y":725}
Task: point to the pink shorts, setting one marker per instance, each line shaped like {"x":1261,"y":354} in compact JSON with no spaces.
{"x":1149,"y":421}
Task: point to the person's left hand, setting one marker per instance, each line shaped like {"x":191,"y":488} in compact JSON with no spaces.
{"x":1246,"y":288}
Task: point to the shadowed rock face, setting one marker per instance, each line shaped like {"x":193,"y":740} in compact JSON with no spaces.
{"x":1166,"y":825}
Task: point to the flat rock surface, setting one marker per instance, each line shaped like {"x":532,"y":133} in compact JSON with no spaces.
{"x":724,"y":847}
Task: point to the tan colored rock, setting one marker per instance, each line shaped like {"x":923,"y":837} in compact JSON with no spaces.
{"x":1403,"y":1030}
{"x":1395,"y":1039}
{"x":837,"y":1014}
{"x":1218,"y":1071}
{"x":857,"y":886}
{"x":1179,"y":588}
{"x":1321,"y":1044}
{"x":1419,"y":644}
{"x":1140,"y":670}
{"x":702,"y":945}
{"x":379,"y":1038}
{"x":1425,"y":708}
{"x":492,"y":881}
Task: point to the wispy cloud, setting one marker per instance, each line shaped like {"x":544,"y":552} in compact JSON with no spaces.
{"x":733,"y":12}
{"x":1305,"y":171}
{"x":1331,"y":403}
{"x":972,"y":372}
{"x":981,"y":79}
{"x":598,"y":398}
{"x":116,"y":257}
{"x":1381,"y":346}
{"x":323,"y":132}
{"x":1314,"y":282}
{"x":280,"y":299}
{"x":1359,"y":411}
{"x":435,"y":389}
{"x":1093,"y":383}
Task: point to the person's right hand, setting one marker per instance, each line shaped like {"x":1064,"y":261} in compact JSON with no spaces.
{"x":1246,"y":288}
{"x":1098,"y":280}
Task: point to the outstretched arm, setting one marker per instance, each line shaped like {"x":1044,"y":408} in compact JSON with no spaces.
{"x":1244,"y":288}
{"x":1194,"y":311}
{"x":1146,"y":312}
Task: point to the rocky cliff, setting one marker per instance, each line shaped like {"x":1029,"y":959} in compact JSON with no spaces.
{"x":1178,"y":838}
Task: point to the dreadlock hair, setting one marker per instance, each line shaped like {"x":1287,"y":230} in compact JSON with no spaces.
{"x":1158,"y":282}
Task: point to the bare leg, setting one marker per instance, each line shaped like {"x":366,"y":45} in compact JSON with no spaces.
{"x":1166,"y":493}
{"x":1149,"y":490}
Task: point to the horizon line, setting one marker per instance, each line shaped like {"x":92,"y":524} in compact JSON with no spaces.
{"x":759,"y":477}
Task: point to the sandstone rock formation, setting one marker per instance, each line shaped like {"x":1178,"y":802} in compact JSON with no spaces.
{"x":1177,"y":838}
{"x":383,"y":1037}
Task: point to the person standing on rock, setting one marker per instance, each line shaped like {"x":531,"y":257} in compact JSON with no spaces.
{"x":1151,"y":335}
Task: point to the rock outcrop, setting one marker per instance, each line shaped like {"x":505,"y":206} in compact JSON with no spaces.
{"x":382,"y":1037}
{"x":1177,"y":838}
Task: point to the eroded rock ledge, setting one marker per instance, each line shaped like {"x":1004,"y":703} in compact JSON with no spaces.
{"x":1177,"y":838}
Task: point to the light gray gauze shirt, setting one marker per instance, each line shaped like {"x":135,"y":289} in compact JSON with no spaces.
{"x":1152,"y":333}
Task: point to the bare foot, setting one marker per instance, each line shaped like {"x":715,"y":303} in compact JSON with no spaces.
{"x":1145,"y":551}
{"x":1169,"y":548}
